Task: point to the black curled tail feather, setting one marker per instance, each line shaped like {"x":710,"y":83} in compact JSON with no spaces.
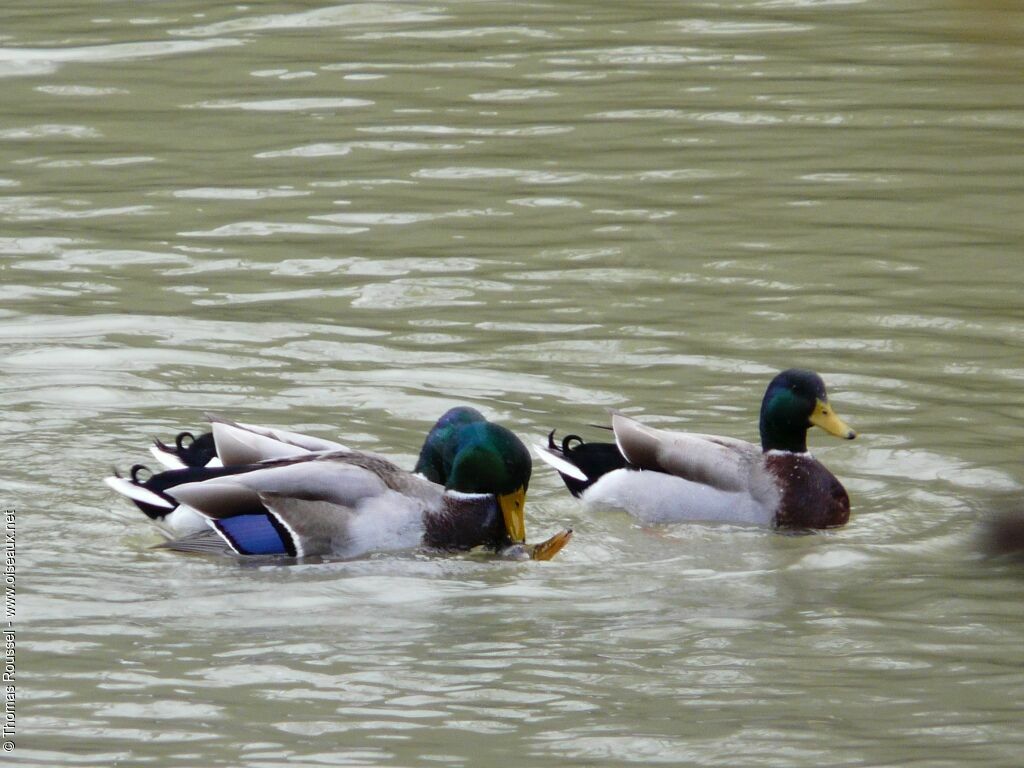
{"x":592,"y":459}
{"x":191,"y":450}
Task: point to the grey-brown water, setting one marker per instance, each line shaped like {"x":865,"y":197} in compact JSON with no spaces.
{"x":344,"y":219}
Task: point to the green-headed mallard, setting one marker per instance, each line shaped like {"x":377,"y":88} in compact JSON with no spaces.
{"x":661,"y":476}
{"x":258,"y":491}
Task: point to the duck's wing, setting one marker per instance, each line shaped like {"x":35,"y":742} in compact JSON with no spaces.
{"x":206,"y":542}
{"x":290,"y":527}
{"x":239,"y":443}
{"x":719,"y":462}
{"x":339,"y":478}
{"x":311,"y":504}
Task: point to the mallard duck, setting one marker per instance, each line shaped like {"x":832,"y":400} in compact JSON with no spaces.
{"x":262,"y":491}
{"x":660,"y":476}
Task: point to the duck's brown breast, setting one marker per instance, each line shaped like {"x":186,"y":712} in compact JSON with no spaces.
{"x":811,"y":496}
{"x":465,"y":521}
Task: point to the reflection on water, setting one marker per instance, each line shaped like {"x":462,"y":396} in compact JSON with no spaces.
{"x":345,"y":220}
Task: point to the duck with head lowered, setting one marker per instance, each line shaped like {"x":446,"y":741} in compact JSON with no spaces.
{"x":255,"y":491}
{"x":660,"y":476}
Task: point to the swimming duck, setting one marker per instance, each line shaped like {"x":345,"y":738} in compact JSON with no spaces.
{"x":269,"y":492}
{"x":660,"y":476}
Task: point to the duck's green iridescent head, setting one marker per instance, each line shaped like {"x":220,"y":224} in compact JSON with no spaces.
{"x":464,"y":452}
{"x":794,"y":402}
{"x":439,"y":446}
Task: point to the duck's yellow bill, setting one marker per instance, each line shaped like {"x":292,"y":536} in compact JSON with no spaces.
{"x":827,"y":419}
{"x":551,"y":547}
{"x":512,"y":509}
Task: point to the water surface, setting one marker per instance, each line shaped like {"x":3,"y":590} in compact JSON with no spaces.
{"x":345,"y":219}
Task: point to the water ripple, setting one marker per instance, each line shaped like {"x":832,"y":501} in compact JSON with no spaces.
{"x":23,"y":62}
{"x":286,"y":105}
{"x":331,"y":16}
{"x":49,"y":131}
{"x":271,"y":228}
{"x":39,"y":208}
{"x":340,"y":149}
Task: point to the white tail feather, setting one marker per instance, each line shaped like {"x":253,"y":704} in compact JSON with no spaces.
{"x":137,"y":492}
{"x":167,"y":459}
{"x":560,"y":464}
